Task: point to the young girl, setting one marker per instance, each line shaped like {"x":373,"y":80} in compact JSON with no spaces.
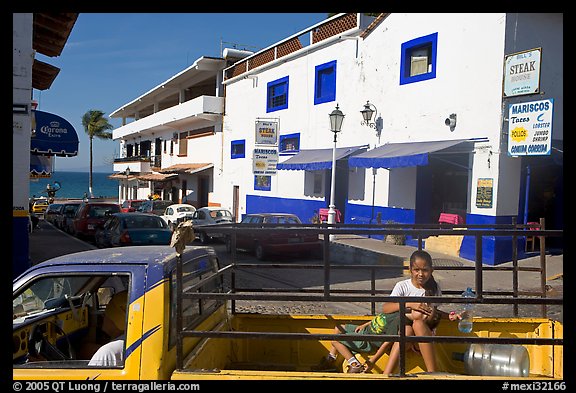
{"x":421,"y":317}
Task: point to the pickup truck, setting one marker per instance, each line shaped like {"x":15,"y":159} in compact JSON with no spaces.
{"x":181,"y":325}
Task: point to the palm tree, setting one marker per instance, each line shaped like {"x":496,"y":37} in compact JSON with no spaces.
{"x":95,"y":125}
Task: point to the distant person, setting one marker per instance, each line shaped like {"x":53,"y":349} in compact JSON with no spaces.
{"x":111,"y":354}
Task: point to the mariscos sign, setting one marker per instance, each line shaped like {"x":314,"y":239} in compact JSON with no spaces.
{"x":530,"y":128}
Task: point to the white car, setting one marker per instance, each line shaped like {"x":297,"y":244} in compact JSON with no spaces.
{"x":209,"y":216}
{"x":175,"y":214}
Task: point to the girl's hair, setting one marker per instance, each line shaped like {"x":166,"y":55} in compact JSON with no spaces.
{"x":431,"y":286}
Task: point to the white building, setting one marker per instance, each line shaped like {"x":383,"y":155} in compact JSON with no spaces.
{"x":173,"y":141}
{"x":432,"y":78}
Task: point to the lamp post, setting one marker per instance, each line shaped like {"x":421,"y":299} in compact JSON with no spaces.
{"x":367,"y":112}
{"x":127,"y":173}
{"x":336,"y":119}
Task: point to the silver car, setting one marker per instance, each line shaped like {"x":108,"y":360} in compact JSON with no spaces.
{"x":210,"y":215}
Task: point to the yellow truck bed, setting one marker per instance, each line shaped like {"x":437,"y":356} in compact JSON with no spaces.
{"x":272,"y":358}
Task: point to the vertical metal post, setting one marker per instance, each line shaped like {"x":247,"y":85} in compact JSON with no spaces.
{"x":233,"y":274}
{"x":326,"y":264}
{"x":402,"y":342}
{"x":478,"y":266}
{"x":373,"y":289}
{"x":178,"y":292}
{"x":515,"y":267}
{"x":527,"y":194}
{"x":543,"y":265}
{"x":332,"y":207}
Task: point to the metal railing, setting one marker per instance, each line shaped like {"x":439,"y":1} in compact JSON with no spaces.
{"x":372,"y":296}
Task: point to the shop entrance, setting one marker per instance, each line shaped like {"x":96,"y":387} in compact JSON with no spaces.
{"x":442,"y":187}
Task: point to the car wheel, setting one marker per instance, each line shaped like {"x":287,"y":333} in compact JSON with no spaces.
{"x":259,"y":252}
{"x":204,"y":238}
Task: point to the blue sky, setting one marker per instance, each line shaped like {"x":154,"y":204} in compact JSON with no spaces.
{"x":110,"y":59}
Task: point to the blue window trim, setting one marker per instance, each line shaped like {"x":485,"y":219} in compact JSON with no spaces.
{"x":262,"y":188}
{"x":237,"y":142}
{"x":329,"y":89}
{"x":270,"y":85}
{"x":407,"y":48}
{"x":281,"y":144}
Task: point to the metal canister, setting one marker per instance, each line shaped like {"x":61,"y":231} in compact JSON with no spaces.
{"x":497,"y":360}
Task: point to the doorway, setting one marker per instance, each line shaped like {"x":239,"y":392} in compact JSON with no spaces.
{"x":442,"y":187}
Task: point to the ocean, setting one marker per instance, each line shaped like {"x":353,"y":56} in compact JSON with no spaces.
{"x":75,"y":184}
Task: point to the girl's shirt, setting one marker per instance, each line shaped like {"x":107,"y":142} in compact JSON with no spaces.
{"x":406,"y":288}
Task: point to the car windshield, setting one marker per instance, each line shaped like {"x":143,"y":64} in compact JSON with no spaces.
{"x":135,"y":204}
{"x":185,"y":209}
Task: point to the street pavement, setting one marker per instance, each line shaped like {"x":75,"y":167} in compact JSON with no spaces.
{"x":47,"y":242}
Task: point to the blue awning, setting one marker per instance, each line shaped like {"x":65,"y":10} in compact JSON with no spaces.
{"x":52,"y":135}
{"x":40,"y":166}
{"x":316,"y":159}
{"x":397,"y":155}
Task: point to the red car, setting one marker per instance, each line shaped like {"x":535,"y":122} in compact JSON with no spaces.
{"x":130,"y":205}
{"x":91,"y":215}
{"x":265,"y":243}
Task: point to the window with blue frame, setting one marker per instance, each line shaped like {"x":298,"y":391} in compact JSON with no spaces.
{"x":289,"y":144}
{"x":277,"y":95}
{"x":418,"y":61}
{"x":238,"y":149}
{"x":325,"y":84}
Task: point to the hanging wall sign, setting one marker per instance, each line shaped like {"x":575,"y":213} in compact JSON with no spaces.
{"x":530,"y":128}
{"x":267,"y":132}
{"x":484,"y":193}
{"x":264,"y":161}
{"x":522,"y":73}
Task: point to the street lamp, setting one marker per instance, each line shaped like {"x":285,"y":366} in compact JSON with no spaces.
{"x":367,"y":112}
{"x":336,"y":119}
{"x":127,"y":173}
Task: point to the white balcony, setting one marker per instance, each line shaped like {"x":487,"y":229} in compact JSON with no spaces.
{"x":175,"y":118}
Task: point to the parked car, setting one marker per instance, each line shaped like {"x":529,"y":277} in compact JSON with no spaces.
{"x":90,"y":215}
{"x":133,"y":229}
{"x":210,"y":216}
{"x":131,"y":205}
{"x":64,"y":220}
{"x":157,"y":207}
{"x":264,"y":243}
{"x":52,"y":211}
{"x":40,"y":206}
{"x":176,"y":213}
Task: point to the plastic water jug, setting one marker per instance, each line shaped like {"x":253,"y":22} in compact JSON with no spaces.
{"x":496,"y":360}
{"x":466,"y":325}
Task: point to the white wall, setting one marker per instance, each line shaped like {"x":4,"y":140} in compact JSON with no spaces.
{"x":22,"y":59}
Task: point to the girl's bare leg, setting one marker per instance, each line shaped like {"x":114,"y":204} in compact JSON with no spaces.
{"x":395,"y":353}
{"x":426,"y":349}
